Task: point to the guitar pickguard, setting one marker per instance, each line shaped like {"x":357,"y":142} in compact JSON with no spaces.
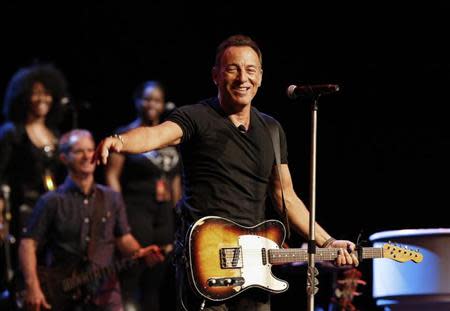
{"x":255,"y":270}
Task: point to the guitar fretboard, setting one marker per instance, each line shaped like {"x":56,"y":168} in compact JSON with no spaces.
{"x":281,"y":256}
{"x":96,"y":274}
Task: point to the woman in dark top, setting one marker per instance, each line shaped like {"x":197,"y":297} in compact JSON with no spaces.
{"x":28,"y":138}
{"x":150,"y":184}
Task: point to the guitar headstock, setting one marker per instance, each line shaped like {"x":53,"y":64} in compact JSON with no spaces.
{"x":401,"y":253}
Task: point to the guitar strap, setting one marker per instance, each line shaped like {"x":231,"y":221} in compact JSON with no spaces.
{"x":96,"y":221}
{"x":272,"y":127}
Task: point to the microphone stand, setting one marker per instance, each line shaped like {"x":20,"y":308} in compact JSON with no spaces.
{"x":8,"y":239}
{"x":74,"y":115}
{"x":312,"y":272}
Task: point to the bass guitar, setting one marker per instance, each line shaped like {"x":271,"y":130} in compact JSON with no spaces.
{"x":63,"y":286}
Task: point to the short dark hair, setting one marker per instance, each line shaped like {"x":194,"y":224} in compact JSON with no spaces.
{"x":19,"y":89}
{"x":236,"y":40}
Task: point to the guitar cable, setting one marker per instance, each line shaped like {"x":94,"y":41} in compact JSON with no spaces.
{"x":180,"y":293}
{"x":202,"y":305}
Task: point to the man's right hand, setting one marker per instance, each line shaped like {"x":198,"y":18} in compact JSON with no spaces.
{"x":152,"y":255}
{"x":35,"y":299}
{"x":108,"y":144}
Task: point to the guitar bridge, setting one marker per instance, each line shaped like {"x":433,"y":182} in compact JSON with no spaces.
{"x":231,"y":258}
{"x":236,"y":281}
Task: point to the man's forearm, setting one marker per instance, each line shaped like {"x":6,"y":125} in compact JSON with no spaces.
{"x":138,"y":140}
{"x":147,"y":138}
{"x":127,"y":244}
{"x":299,"y":219}
{"x":27,"y":259}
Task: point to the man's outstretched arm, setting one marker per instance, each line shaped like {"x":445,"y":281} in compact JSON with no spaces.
{"x":139,"y":140}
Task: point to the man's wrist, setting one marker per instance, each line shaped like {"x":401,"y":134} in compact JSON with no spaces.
{"x":32,"y":283}
{"x":119,"y":137}
{"x":136,"y":253}
{"x":328,"y":242}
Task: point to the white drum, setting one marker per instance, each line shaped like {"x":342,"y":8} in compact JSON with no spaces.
{"x":408,"y":286}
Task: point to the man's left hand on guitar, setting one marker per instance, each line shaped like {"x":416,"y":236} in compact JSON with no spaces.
{"x":347,"y":254}
{"x":152,"y":255}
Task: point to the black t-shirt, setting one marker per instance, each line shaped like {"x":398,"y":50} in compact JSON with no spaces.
{"x":226,"y":172}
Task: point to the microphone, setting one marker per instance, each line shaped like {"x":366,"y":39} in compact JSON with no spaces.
{"x":65,"y":100}
{"x":6,"y":190}
{"x":295,"y":91}
{"x":70,"y":103}
{"x":170,"y":106}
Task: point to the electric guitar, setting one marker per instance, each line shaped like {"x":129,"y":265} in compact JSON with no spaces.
{"x":225,"y":258}
{"x":64,"y":286}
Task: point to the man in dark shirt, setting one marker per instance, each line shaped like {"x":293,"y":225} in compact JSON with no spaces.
{"x":228,"y":158}
{"x":79,"y":224}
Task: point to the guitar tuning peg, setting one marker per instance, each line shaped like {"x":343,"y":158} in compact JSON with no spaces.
{"x":390,"y":242}
{"x":406,"y":246}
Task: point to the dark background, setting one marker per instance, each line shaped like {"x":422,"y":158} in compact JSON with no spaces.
{"x":384,"y":142}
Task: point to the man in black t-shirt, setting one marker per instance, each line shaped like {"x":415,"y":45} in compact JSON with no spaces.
{"x":228,"y":159}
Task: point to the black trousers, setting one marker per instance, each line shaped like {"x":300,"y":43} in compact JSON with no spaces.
{"x":145,"y":288}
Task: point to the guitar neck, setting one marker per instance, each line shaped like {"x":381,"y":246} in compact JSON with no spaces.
{"x":282,"y":256}
{"x":96,"y":273}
